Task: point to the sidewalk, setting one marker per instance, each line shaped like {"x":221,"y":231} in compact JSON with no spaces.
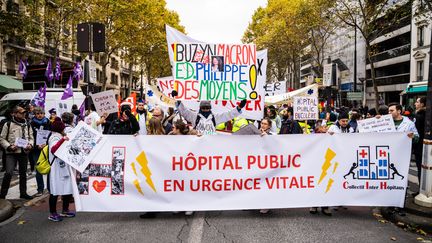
{"x":417,"y":219}
{"x":13,"y":196}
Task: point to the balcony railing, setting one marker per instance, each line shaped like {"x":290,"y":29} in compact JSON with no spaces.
{"x":389,"y":80}
{"x":392,"y":53}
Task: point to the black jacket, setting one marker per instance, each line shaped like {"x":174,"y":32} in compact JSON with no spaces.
{"x":119,"y":126}
{"x":290,"y":126}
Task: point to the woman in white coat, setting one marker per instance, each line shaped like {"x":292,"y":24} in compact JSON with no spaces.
{"x":60,"y":177}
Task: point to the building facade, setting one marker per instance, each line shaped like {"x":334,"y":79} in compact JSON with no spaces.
{"x":38,"y":52}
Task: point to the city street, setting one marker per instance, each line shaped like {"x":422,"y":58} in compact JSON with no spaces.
{"x":355,"y":224}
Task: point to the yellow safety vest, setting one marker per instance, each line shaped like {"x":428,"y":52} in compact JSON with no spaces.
{"x":306,"y":129}
{"x":239,"y":123}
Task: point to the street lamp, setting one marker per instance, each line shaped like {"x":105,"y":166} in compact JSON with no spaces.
{"x":142,"y":88}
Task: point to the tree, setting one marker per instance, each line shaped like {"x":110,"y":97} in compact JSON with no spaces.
{"x":284,"y":27}
{"x":18,"y":26}
{"x":371,"y":19}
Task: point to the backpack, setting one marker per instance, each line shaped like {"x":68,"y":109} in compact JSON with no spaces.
{"x":43,"y":165}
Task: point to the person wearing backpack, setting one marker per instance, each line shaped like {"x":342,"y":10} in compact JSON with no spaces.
{"x":204,"y":121}
{"x":38,"y":122}
{"x":289,"y":125}
{"x":60,"y":176}
{"x":15,"y":133}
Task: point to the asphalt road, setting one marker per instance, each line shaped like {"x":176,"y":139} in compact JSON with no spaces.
{"x":355,"y":224}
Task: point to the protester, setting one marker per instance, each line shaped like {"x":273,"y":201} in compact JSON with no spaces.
{"x":8,"y":117}
{"x":341,"y":125}
{"x":155,"y":127}
{"x":383,"y":110}
{"x":159,"y":114}
{"x":169,"y":119}
{"x":142,"y":116}
{"x":77,"y":114}
{"x":94,"y":120}
{"x":402,"y":124}
{"x":16,"y":128}
{"x":238,"y":123}
{"x":181,"y":128}
{"x":126,"y":123}
{"x":53,"y":114}
{"x":355,"y":116}
{"x":38,"y":123}
{"x":205,"y":121}
{"x":288,"y":124}
{"x":276,"y":120}
{"x":265,"y":129}
{"x":371,"y":113}
{"x":59,"y":177}
{"x":420,"y":116}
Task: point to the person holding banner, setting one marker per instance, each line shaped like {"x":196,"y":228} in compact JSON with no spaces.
{"x":205,"y":121}
{"x":341,"y":125}
{"x":289,"y":125}
{"x":126,"y":123}
{"x":59,"y":177}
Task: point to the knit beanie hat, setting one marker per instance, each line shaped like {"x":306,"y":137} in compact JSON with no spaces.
{"x":57,"y":125}
{"x":205,"y":103}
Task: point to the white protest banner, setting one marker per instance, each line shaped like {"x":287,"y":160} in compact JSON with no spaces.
{"x":21,"y":142}
{"x":84,"y":142}
{"x":244,"y":172}
{"x":165,"y":85}
{"x":383,"y":124}
{"x":305,"y":108}
{"x":311,"y":90}
{"x":105,"y":102}
{"x":243,"y":74}
{"x":275,"y":88}
{"x":327,"y":74}
{"x":42,"y":136}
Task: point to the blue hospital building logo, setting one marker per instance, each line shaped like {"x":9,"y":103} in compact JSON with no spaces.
{"x":376,"y":167}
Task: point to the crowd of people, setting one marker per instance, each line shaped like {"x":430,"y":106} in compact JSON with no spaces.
{"x":30,"y":123}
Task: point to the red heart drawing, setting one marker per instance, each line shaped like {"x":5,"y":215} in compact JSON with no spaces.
{"x":99,"y":186}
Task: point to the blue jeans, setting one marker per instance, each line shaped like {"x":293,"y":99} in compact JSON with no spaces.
{"x":39,"y":178}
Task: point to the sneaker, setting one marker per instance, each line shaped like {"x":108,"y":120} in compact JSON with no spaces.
{"x":26,"y":197}
{"x":68,"y":214}
{"x":38,"y":194}
{"x":55,"y":217}
{"x":313,"y":210}
{"x":326,"y":211}
{"x":189,"y":213}
{"x":148,"y":215}
{"x":264,"y":211}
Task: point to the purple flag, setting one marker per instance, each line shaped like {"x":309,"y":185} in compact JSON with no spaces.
{"x":39,"y":99}
{"x":78,"y":72}
{"x":57,"y":70}
{"x":22,"y":68}
{"x":68,"y":92}
{"x":48,"y":72}
{"x":82,"y":110}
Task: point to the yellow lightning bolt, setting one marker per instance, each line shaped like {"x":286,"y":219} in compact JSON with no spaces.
{"x":335,"y":167}
{"x":329,"y":185}
{"x":138,"y":187}
{"x":142,"y":160}
{"x":134,"y":169}
{"x":330,"y":154}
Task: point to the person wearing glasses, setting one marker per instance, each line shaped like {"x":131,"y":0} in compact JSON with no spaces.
{"x":17,"y":139}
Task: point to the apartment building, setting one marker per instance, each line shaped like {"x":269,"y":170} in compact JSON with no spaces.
{"x":421,"y":27}
{"x":37,"y":54}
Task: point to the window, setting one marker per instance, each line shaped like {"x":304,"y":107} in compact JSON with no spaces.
{"x":420,"y":36}
{"x":420,"y":70}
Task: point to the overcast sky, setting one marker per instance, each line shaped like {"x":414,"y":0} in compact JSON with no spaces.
{"x":215,"y":21}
